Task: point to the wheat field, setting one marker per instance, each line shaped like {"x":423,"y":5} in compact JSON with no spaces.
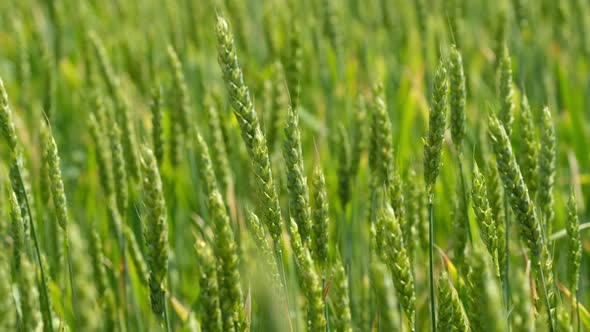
{"x":284,"y":165}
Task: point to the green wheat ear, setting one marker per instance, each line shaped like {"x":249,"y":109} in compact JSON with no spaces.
{"x":309,"y":282}
{"x":522,"y":316}
{"x":451,"y":315}
{"x":17,"y":232}
{"x":252,"y":134}
{"x":218,"y":147}
{"x":514,"y":185}
{"x":102,"y":153}
{"x":8,"y":309}
{"x":134,"y":251}
{"x":574,"y":246}
{"x":483,"y":302}
{"x":124,"y":118}
{"x":296,"y":180}
{"x":292,"y":62}
{"x":484,"y":217}
{"x":209,"y":289}
{"x":106,"y":297}
{"x":344,"y":165}
{"x":358,"y":144}
{"x":6,"y":121}
{"x":341,"y":300}
{"x":30,"y":297}
{"x":280,"y":100}
{"x":395,"y":256}
{"x":416,"y":223}
{"x":381,"y":140}
{"x":263,"y":245}
{"x":155,"y":231}
{"x":226,"y":250}
{"x":331,"y":25}
{"x":156,"y":105}
{"x":119,"y":169}
{"x":57,"y":186}
{"x":434,"y":141}
{"x":321,"y":220}
{"x":412,"y":226}
{"x":381,"y":153}
{"x":495,"y":195}
{"x":530,"y":146}
{"x":381,"y":282}
{"x":457,"y":97}
{"x":506,"y":113}
{"x":179,"y":109}
{"x":547,"y":160}
{"x":524,"y":211}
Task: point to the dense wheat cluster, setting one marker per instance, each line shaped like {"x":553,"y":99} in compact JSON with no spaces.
{"x":284,"y":165}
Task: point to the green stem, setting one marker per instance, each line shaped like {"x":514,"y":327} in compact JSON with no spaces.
{"x":578,"y":306}
{"x":121,"y":238}
{"x":326,"y":311}
{"x":431,"y":260}
{"x":166,"y":318}
{"x":400,"y":314}
{"x":128,"y":281}
{"x":37,"y":251}
{"x":549,"y":317}
{"x":70,"y":275}
{"x":281,"y":267}
{"x":507,"y":250}
{"x":465,"y":197}
{"x":562,"y":233}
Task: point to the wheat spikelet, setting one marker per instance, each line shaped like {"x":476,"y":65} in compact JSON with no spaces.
{"x":436,"y":129}
{"x":383,"y":290}
{"x":124,"y":119}
{"x":321,"y":220}
{"x":102,"y":154}
{"x":395,"y":256}
{"x":522,"y":318}
{"x":296,"y":180}
{"x":529,"y":156}
{"x":156,"y":105}
{"x":309,"y":282}
{"x":547,"y":158}
{"x":483,"y":214}
{"x":483,"y":301}
{"x":340,"y":299}
{"x":8,"y":309}
{"x":225,"y":245}
{"x":17,"y":232}
{"x":574,"y":245}
{"x":506,"y":113}
{"x":155,"y":231}
{"x":251,"y":133}
{"x":344,"y":161}
{"x":457,"y":97}
{"x":451,"y":315}
{"x":209,"y":294}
